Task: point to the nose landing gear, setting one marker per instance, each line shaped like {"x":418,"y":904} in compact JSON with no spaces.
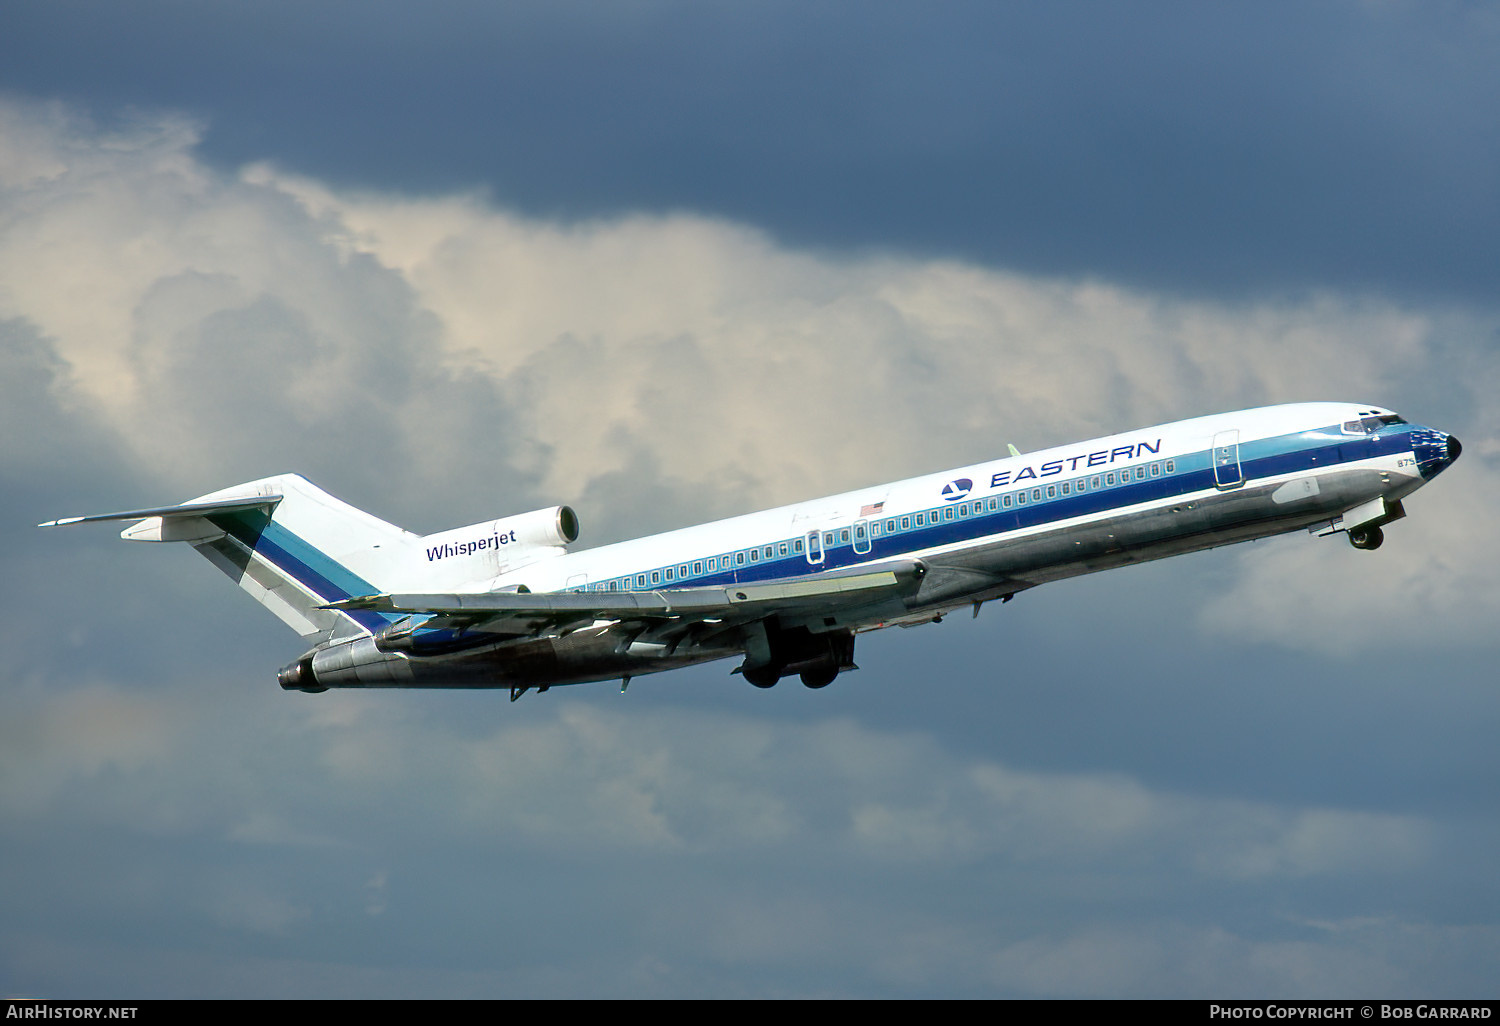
{"x":1366,"y":537}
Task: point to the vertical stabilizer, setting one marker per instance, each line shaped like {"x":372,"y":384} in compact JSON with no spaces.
{"x":310,"y":549}
{"x":289,"y":544}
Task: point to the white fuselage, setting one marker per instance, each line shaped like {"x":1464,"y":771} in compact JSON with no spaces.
{"x":1008,"y":500}
{"x":505,"y":604}
{"x":978,"y":533}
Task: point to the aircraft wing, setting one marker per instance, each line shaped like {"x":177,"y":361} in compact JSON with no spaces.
{"x":526,"y":613}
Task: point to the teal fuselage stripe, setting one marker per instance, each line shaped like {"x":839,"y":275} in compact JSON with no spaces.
{"x":306,"y":564}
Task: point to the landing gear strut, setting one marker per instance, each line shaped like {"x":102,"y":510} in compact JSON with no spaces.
{"x":1366,"y":537}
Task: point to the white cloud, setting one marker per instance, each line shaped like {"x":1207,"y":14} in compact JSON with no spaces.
{"x":335,"y":809}
{"x":579,"y":774}
{"x":583,"y":775}
{"x":437,"y":360}
{"x":1435,"y":583}
{"x":266,"y":322}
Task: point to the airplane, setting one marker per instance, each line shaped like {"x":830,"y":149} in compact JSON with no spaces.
{"x":505,"y":604}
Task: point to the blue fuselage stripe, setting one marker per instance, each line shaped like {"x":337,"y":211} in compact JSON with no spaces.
{"x":330,"y":580}
{"x":1194,"y":472}
{"x":319,"y":573}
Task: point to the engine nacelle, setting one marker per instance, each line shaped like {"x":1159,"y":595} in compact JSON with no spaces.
{"x":481,"y":552}
{"x":555,"y":526}
{"x":349,"y":664}
{"x":489,"y":661}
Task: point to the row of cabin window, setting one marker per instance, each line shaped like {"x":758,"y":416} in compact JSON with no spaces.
{"x":712,"y":565}
{"x":995,"y":503}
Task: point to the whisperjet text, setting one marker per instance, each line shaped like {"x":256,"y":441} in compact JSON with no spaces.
{"x":494,"y":541}
{"x":1090,"y":459}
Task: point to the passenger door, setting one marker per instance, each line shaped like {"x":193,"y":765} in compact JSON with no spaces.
{"x":1226,"y":454}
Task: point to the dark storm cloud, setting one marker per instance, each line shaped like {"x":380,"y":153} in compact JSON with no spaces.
{"x":1195,"y":147}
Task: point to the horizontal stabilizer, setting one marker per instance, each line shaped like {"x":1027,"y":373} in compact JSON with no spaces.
{"x":287,"y":543}
{"x":187,"y":509}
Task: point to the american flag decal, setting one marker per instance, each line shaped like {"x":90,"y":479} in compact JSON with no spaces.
{"x":871,"y":509}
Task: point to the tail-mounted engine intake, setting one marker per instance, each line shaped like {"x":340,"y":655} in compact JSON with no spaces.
{"x":555,"y":526}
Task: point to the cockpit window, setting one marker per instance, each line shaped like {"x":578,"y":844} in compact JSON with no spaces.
{"x":1370,"y":422}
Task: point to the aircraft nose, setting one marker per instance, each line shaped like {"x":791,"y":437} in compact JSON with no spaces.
{"x":1435,"y":450}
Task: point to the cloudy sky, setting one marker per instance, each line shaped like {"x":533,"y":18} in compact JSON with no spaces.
{"x":672,"y":261}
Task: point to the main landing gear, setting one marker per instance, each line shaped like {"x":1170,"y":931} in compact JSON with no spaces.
{"x":816,"y":658}
{"x":1366,"y":537}
{"x":767,"y":676}
{"x":761,"y":676}
{"x":819,"y":678}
